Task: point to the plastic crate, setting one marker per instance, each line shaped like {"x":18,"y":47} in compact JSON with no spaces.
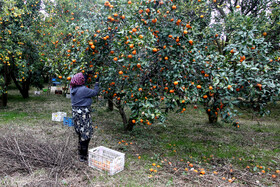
{"x":58,"y":116}
{"x":45,"y":89}
{"x":56,"y":83}
{"x":105,"y":159}
{"x":53,"y":88}
{"x":68,"y":96}
{"x":37,"y":92}
{"x":68,"y":121}
{"x":58,"y":92}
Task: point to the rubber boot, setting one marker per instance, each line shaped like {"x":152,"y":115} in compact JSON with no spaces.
{"x":84,"y":150}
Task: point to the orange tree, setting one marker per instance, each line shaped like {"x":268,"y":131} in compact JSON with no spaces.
{"x":18,"y":47}
{"x":155,"y":56}
{"x":58,"y":29}
{"x":254,"y":64}
{"x":250,"y":62}
{"x":133,"y":48}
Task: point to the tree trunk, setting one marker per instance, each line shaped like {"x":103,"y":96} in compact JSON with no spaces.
{"x":213,"y":118}
{"x":7,"y":80}
{"x":24,"y":89}
{"x":25,"y":93}
{"x":128,"y":125}
{"x":110,"y":103}
{"x":4,"y":100}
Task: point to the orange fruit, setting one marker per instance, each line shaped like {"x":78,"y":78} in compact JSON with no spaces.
{"x":198,"y":87}
{"x":273,"y":176}
{"x":60,"y":77}
{"x":133,"y":121}
{"x":120,"y":72}
{"x":129,"y":2}
{"x":175,"y":83}
{"x":264,"y":34}
{"x":154,"y":50}
{"x":174,"y":7}
{"x":210,"y":88}
{"x":69,"y":78}
{"x":191,"y":42}
{"x":229,"y":87}
{"x":115,"y":59}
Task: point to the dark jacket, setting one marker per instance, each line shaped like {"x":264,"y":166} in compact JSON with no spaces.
{"x":81,"y":95}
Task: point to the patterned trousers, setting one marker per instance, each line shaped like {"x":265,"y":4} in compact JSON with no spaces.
{"x":82,"y":122}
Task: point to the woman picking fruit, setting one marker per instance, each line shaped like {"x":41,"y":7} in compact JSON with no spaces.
{"x":81,"y":109}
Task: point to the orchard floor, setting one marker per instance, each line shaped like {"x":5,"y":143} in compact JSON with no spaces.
{"x":225,"y":153}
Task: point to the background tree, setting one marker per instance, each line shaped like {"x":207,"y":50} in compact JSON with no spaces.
{"x":20,"y":51}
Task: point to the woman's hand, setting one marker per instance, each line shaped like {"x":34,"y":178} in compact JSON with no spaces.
{"x":97,"y":79}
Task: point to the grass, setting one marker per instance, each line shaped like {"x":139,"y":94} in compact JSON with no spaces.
{"x":183,"y":139}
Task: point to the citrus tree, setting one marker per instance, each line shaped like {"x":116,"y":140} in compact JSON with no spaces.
{"x":250,"y":58}
{"x":157,"y":56}
{"x":133,"y":48}
{"x":19,"y":49}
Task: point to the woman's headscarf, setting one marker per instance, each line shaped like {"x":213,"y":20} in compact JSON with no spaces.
{"x":77,"y":80}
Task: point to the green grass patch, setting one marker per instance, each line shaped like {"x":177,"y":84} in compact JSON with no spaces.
{"x":10,"y":116}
